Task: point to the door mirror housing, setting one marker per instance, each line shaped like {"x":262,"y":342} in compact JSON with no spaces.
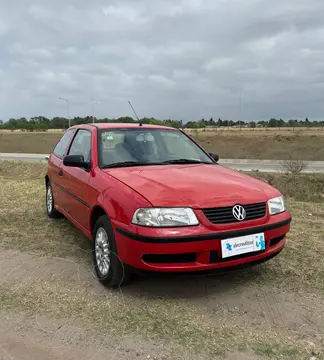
{"x":76,"y":161}
{"x":214,"y":156}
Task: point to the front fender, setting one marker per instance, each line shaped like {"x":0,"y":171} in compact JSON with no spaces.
{"x":120,"y":204}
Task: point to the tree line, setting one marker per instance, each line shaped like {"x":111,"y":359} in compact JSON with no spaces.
{"x":42,"y":123}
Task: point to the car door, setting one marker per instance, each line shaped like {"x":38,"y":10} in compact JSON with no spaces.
{"x":55,"y":162}
{"x":76,"y":179}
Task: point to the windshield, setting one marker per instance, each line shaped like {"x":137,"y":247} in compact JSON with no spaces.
{"x":145,"y":146}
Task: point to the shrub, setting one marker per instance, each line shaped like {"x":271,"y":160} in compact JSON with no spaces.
{"x":293,"y":166}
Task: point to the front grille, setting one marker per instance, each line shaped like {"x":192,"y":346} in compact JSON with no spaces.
{"x":224,"y":215}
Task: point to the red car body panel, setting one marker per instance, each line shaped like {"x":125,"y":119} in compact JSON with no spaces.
{"x":220,"y":185}
{"x":119,"y":192}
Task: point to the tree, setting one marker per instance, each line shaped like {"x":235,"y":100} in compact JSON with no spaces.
{"x":273,"y":123}
{"x":220,"y":122}
{"x":225,"y":123}
{"x":201,"y":124}
{"x":281,"y":123}
{"x":292,"y":123}
{"x":59,"y":123}
{"x":262,"y":123}
{"x":191,"y":124}
{"x":42,"y":127}
{"x":126,"y":119}
{"x":43,"y":123}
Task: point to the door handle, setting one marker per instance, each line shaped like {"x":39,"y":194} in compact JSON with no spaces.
{"x":60,"y":173}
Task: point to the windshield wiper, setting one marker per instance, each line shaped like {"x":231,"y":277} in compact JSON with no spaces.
{"x":185,"y":161}
{"x":129,"y":163}
{"x":141,"y":163}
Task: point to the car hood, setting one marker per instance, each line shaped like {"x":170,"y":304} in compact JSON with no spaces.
{"x":197,"y":186}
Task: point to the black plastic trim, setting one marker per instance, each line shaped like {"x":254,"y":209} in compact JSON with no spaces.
{"x":199,"y":273}
{"x":215,"y":236}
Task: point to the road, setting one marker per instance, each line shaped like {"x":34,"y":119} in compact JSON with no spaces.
{"x":238,"y":164}
{"x":269,"y":165}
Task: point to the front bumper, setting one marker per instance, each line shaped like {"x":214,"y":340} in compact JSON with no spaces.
{"x":196,"y":252}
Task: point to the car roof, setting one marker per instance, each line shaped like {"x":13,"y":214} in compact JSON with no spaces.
{"x":103,"y":126}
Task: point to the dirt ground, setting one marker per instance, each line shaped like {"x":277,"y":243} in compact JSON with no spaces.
{"x":52,"y":306}
{"x":233,"y":144}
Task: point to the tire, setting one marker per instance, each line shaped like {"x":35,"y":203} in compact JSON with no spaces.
{"x":109,"y":269}
{"x":49,"y":200}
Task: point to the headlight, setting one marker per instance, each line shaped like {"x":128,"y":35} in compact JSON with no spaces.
{"x":165,"y":217}
{"x":276,"y":205}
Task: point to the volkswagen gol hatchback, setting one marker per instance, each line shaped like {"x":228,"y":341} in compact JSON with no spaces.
{"x":151,"y":198}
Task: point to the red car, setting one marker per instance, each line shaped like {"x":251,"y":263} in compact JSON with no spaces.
{"x":151,"y":198}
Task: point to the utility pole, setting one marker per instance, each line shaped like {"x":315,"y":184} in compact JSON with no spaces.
{"x":68,"y":109}
{"x":93,"y":102}
{"x":240,"y":107}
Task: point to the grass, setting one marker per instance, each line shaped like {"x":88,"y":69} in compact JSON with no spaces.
{"x":153,"y":320}
{"x":272,"y":144}
{"x":215,"y":316}
{"x":38,"y":143}
{"x":300,"y":187}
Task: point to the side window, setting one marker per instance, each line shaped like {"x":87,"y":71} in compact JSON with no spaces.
{"x":81,"y":144}
{"x":63,"y":143}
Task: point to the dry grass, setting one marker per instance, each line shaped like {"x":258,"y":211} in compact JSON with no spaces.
{"x":33,"y":143}
{"x":272,"y":144}
{"x":245,"y":311}
{"x":258,"y":131}
{"x":300,"y":187}
{"x":295,"y":146}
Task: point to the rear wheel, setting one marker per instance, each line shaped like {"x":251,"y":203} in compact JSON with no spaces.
{"x":50,"y":209}
{"x":110,"y":270}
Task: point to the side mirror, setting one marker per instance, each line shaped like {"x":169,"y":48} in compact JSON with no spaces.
{"x":214,"y":156}
{"x":76,"y":161}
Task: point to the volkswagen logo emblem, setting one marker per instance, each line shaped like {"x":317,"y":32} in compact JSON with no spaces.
{"x":239,"y":212}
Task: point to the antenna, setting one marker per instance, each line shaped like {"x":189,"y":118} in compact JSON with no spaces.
{"x":140,"y":124}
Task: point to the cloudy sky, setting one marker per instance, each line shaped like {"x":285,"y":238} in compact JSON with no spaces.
{"x":180,"y":59}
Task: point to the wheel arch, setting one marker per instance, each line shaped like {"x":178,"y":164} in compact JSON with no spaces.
{"x":96,"y":212}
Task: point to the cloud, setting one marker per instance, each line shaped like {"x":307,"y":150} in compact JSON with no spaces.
{"x":183,"y":59}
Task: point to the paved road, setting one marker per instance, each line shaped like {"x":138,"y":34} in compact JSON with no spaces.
{"x":238,"y":164}
{"x":269,"y":165}
{"x":26,"y":157}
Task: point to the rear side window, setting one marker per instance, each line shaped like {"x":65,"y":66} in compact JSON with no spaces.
{"x":61,"y":146}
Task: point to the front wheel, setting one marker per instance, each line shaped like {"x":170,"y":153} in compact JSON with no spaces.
{"x":50,"y":209}
{"x":110,"y":270}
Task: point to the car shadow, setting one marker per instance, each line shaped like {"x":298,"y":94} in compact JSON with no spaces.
{"x":190,"y":286}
